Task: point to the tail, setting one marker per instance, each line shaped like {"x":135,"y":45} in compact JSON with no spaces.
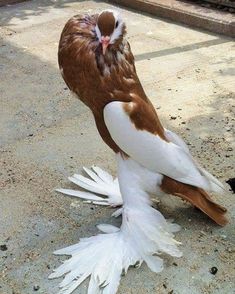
{"x":197,"y":197}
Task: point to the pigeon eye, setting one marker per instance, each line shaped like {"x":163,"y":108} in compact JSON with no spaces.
{"x":116,"y":25}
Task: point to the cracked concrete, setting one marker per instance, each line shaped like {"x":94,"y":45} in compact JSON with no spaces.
{"x":47,"y":135}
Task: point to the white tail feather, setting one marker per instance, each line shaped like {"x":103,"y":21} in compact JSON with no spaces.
{"x":216,"y":185}
{"x":211,"y":183}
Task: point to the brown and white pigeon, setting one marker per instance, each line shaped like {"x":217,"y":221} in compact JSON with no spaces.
{"x":97,"y":64}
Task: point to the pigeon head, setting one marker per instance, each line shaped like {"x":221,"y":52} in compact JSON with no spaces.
{"x":110,"y":28}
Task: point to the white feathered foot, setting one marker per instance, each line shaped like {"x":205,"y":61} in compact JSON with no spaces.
{"x":144,"y":233}
{"x":100,"y":182}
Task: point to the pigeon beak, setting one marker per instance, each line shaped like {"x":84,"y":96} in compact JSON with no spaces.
{"x":105,"y":42}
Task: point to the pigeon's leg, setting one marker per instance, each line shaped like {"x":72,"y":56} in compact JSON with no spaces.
{"x":102,"y":183}
{"x":144,"y":232}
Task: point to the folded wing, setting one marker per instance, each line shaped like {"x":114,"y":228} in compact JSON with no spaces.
{"x":169,"y":156}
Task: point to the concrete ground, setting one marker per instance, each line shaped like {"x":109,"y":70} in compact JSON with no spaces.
{"x":47,"y":135}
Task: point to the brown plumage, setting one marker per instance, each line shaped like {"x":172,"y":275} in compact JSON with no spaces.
{"x":99,"y":79}
{"x":106,"y":23}
{"x":197,"y":197}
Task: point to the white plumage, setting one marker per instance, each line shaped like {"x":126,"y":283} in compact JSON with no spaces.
{"x":101,"y":182}
{"x":143,"y":234}
{"x":168,"y":158}
{"x":144,"y":231}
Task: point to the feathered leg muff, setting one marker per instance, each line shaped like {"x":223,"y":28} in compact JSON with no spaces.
{"x":99,"y":182}
{"x":143,"y":235}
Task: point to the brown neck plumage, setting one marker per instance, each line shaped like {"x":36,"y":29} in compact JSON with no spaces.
{"x":99,"y":79}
